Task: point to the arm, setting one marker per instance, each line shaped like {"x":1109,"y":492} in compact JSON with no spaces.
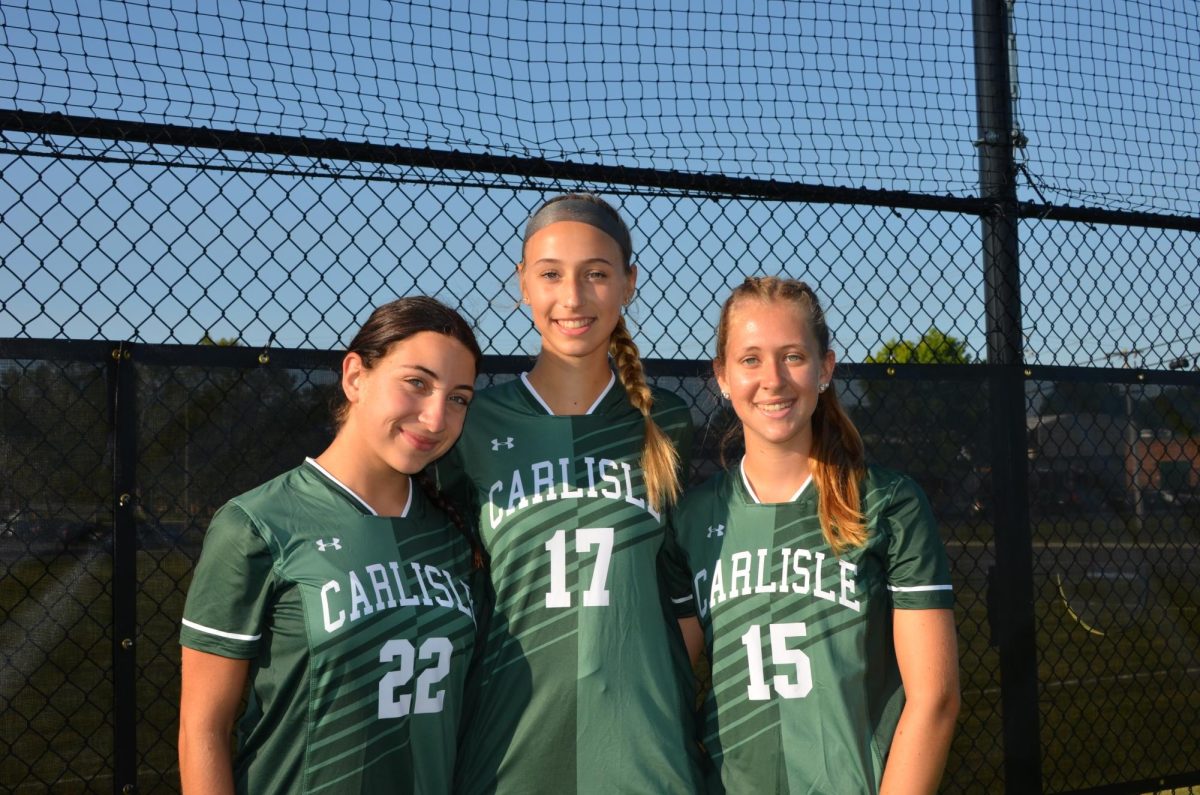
{"x":211,"y":694}
{"x":693,"y":637}
{"x":927,"y":651}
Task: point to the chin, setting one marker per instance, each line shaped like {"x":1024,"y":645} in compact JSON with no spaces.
{"x":410,"y":464}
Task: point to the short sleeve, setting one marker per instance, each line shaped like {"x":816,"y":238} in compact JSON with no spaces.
{"x":918,"y":571}
{"x":231,"y":588}
{"x":676,"y":576}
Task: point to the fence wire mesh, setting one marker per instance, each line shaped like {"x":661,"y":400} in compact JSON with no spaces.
{"x":237,"y":263}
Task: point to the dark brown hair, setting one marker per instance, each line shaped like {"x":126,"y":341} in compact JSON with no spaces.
{"x":837,"y":447}
{"x":395,"y":322}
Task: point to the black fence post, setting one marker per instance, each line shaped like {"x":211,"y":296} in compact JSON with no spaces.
{"x":124,"y":569}
{"x":1012,"y":579}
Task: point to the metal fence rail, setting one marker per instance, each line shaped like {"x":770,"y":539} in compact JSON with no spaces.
{"x":191,"y":224}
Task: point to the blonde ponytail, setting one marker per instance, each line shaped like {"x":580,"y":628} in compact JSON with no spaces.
{"x":660,"y":459}
{"x":838,"y":452}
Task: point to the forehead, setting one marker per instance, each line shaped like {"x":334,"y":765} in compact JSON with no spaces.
{"x":768,"y":323}
{"x":572,"y":240}
{"x":442,"y":354}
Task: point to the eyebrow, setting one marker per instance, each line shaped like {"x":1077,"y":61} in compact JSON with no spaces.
{"x":589,"y":261}
{"x":434,"y":376}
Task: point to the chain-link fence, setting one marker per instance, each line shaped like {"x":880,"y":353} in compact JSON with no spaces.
{"x":199,"y":207}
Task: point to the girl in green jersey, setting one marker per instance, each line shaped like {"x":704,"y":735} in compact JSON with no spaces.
{"x":821,"y":588}
{"x":341,"y":593}
{"x":571,"y":467}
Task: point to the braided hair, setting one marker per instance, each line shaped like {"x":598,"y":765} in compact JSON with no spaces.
{"x":660,"y":459}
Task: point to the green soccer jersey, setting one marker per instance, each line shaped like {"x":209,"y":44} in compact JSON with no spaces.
{"x":580,"y":689}
{"x":806,"y":690}
{"x":360,"y":629}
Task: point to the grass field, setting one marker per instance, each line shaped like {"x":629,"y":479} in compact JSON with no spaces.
{"x":1114,"y":707}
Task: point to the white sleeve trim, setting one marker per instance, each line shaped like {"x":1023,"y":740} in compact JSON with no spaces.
{"x":912,"y":588}
{"x":218,"y":632}
{"x":681,"y":600}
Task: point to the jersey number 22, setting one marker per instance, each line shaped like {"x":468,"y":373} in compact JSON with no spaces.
{"x":423,"y":700}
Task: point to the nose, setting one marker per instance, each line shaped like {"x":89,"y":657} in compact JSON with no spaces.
{"x":433,"y":413}
{"x":772,"y":373}
{"x":572,"y":293}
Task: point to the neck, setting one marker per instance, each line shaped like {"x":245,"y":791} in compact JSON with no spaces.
{"x":380,"y":486}
{"x":570,"y":386}
{"x":776,"y":473}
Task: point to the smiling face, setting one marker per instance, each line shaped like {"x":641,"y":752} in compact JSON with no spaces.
{"x":575,"y":281}
{"x":771,"y":366}
{"x":408,"y":409}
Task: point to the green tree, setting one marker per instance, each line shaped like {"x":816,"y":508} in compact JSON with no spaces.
{"x":933,"y":347}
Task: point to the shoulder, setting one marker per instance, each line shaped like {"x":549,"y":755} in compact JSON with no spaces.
{"x":894,"y":498}
{"x":278,"y":495}
{"x":496,"y":405}
{"x":246,"y":526}
{"x":701,"y":500}
{"x":882,"y":486}
{"x":294,"y":502}
{"x":666,"y":400}
{"x":508,"y":394}
{"x":671,"y":411}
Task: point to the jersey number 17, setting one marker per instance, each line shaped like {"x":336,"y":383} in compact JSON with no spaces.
{"x":585,"y":539}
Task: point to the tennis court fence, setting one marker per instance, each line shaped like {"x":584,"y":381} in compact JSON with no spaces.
{"x":1011,"y":287}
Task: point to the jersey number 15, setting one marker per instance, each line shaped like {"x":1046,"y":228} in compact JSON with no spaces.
{"x":780,"y":655}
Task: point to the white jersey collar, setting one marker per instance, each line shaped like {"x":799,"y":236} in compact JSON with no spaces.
{"x":612,"y":379}
{"x":750,"y":489}
{"x":358,"y":499}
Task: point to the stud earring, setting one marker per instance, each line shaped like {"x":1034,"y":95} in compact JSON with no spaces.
{"x":725,"y":396}
{"x":822,"y":387}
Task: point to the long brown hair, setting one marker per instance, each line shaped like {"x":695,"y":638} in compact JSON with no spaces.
{"x":395,"y":322}
{"x":837,"y":447}
{"x":660,"y":459}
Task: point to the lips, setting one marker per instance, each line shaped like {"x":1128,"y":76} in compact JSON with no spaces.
{"x":775,"y":407}
{"x":574,"y":326}
{"x":422,"y":443}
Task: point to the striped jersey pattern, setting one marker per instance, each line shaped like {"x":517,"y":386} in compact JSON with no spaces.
{"x":580,"y":689}
{"x":360,"y":630}
{"x":806,"y":690}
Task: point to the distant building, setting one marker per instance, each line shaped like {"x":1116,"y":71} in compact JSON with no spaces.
{"x":1099,"y":460}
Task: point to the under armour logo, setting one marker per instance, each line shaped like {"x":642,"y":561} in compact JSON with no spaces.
{"x":323,"y":545}
{"x":497,"y":444}
{"x":719,"y":530}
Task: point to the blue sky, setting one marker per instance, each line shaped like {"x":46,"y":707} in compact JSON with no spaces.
{"x":875,"y":94}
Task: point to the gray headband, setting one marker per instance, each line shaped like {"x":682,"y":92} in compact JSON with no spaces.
{"x":583,"y":211}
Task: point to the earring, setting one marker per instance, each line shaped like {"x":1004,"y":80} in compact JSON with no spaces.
{"x":725,"y":396}
{"x":822,"y":387}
